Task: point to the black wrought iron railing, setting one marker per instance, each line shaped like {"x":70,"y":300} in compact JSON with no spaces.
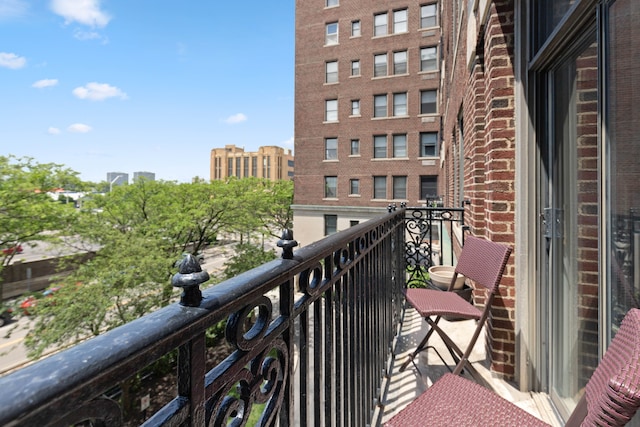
{"x":432,"y":234}
{"x":309,"y":340}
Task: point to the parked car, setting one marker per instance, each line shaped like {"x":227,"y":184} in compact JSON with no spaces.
{"x":16,"y":249}
{"x":29,"y":304}
{"x":6,"y":313}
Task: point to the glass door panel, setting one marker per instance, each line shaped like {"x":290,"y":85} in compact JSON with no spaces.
{"x":571,"y":225}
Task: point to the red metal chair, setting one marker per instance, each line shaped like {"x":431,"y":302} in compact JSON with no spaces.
{"x":611,"y":397}
{"x":483,"y":262}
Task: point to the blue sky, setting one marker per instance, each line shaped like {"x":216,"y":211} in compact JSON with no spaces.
{"x":144,"y":85}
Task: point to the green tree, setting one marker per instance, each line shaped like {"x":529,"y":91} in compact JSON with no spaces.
{"x":140,"y":230}
{"x":247,"y":256}
{"x":27,"y":213}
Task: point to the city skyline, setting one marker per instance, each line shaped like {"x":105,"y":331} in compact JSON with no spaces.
{"x":100,"y":86}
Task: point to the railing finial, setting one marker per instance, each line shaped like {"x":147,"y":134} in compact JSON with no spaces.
{"x":189,"y":277}
{"x":287,"y":243}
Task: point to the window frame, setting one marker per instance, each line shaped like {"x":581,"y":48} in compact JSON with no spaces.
{"x":331,"y":187}
{"x":431,"y":181}
{"x":380,"y":68}
{"x":354,"y":187}
{"x":330,"y":224}
{"x":355,"y":147}
{"x":424,"y":106}
{"x":424,"y":18}
{"x":402,"y":23}
{"x":399,"y":193}
{"x":355,"y":68}
{"x":328,"y":112}
{"x":400,"y":109}
{"x":377,"y":108}
{"x":355,"y":107}
{"x":380,"y":146}
{"x":398,"y":64}
{"x":356,"y":28}
{"x":379,"y":190}
{"x":332,"y":73}
{"x":424,"y":62}
{"x":379,"y":29}
{"x":423,"y":145}
{"x":398,"y":150}
{"x":331,"y":148}
{"x":331,"y":38}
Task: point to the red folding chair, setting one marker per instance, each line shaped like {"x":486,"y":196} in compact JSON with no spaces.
{"x":611,"y":397}
{"x":483,"y":262}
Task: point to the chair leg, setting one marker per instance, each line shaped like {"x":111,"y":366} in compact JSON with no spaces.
{"x":422,"y":346}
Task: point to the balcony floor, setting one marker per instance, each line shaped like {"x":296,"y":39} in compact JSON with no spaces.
{"x":404,"y":387}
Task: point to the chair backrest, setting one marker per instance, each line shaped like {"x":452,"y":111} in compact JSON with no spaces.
{"x":613,"y":392}
{"x":483,"y":261}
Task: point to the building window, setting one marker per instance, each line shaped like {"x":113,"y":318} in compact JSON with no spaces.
{"x":254,"y":166}
{"x":428,"y":187}
{"x":330,"y":224}
{"x":246,"y":167}
{"x":354,"y":186}
{"x":353,"y":222}
{"x":229,"y":167}
{"x":379,"y":187}
{"x":355,"y":68}
{"x":331,"y":149}
{"x":331,"y":35}
{"x":355,"y":29}
{"x":399,"y":187}
{"x":428,"y":102}
{"x":380,"y":65}
{"x":355,"y":107}
{"x":355,"y":147}
{"x":332,"y":3}
{"x":380,"y":106}
{"x":400,"y":104}
{"x":428,"y":144}
{"x":266,"y":167}
{"x":331,"y":110}
{"x":400,"y":62}
{"x":428,"y":17}
{"x":238,"y":166}
{"x":331,"y":72}
{"x":380,"y":147}
{"x":330,"y":187}
{"x":400,"y":21}
{"x":400,"y":145}
{"x":380,"y":24}
{"x":428,"y":59}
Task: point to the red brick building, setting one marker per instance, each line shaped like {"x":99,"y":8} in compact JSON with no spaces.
{"x":367,"y":117}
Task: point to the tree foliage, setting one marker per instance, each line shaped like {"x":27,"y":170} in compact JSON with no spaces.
{"x":247,"y":256}
{"x":138,"y":232}
{"x":27,"y":213}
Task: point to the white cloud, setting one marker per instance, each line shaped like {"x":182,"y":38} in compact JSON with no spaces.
{"x":98,"y":92}
{"x":236,"y":118}
{"x":85,"y":12}
{"x":53,"y":131}
{"x":11,"y":60}
{"x":13,"y":8}
{"x":45,"y":83}
{"x":79,"y":128}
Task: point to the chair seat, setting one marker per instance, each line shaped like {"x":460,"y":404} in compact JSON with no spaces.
{"x":430,"y":302}
{"x":456,"y":401}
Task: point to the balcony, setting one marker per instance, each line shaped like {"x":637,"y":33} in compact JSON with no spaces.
{"x":313,"y":338}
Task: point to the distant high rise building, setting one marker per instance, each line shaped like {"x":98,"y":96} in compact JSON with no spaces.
{"x":146,"y":175}
{"x":117,"y":178}
{"x":270,"y":162}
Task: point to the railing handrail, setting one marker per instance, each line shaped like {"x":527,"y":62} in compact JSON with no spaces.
{"x":65,"y":379}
